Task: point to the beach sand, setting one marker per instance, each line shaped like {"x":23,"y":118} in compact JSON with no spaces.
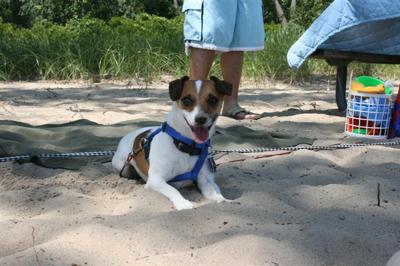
{"x":301,"y":208}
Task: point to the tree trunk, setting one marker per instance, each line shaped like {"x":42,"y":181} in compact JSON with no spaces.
{"x":293,"y":5}
{"x":279,"y":12}
{"x":176,"y":4}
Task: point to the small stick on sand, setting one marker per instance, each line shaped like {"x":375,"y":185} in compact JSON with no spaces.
{"x":33,"y":246}
{"x":379,"y":194}
{"x":271,"y":155}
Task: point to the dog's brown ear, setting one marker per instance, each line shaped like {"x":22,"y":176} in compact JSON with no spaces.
{"x":222,"y":86}
{"x":176,"y":87}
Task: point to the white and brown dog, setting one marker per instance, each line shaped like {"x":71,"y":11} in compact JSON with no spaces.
{"x":180,"y":149}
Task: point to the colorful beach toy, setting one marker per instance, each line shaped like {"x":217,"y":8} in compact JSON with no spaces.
{"x":369,"y":108}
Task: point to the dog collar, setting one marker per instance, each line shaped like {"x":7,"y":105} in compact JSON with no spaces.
{"x":189,"y":149}
{"x":182,"y":143}
{"x":187,"y":145}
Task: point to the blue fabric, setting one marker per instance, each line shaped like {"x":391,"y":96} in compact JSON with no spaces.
{"x":224,"y":25}
{"x":395,"y":126}
{"x":368,"y":26}
{"x":204,"y":147}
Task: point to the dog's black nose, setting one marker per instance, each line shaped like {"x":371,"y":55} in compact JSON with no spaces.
{"x":200,"y":120}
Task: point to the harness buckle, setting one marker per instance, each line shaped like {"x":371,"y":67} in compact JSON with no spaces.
{"x":179,"y":145}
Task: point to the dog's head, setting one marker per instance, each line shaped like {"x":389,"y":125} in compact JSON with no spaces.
{"x":198,"y":103}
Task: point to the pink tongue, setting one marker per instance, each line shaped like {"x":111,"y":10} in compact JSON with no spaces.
{"x":200,"y":134}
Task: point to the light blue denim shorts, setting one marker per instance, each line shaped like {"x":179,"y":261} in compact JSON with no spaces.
{"x":224,"y":25}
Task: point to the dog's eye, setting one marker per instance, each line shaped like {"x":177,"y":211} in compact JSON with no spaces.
{"x":212,"y":100}
{"x":186,"y":101}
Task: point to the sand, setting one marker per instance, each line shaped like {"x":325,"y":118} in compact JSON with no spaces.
{"x":302,"y":208}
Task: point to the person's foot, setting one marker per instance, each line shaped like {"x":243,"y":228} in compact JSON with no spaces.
{"x":239,"y":113}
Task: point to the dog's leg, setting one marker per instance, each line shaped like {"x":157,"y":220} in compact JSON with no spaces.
{"x":159,"y":185}
{"x":209,"y":189}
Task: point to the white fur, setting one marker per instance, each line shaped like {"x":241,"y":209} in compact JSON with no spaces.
{"x":166,"y":161}
{"x":198,"y":84}
{"x":394,"y":260}
{"x":197,"y":110}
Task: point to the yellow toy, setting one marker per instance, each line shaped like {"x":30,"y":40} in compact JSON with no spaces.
{"x":358,"y":87}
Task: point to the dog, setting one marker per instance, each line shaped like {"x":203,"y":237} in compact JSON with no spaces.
{"x":394,"y":260}
{"x":179,"y":152}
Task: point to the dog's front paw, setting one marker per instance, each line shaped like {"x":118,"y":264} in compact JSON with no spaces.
{"x":223,"y":200}
{"x":183,"y":205}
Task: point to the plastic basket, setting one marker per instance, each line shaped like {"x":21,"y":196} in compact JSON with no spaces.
{"x":368,"y":115}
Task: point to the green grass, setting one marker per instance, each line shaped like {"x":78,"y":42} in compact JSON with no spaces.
{"x":142,"y":48}
{"x":271,"y":62}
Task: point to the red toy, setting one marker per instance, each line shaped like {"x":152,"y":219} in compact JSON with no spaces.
{"x":360,"y":126}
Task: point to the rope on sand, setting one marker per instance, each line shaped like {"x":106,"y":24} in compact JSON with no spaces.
{"x":312,"y":148}
{"x":58,"y":155}
{"x":245,"y":150}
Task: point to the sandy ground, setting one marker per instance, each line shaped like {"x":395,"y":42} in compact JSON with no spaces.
{"x":303,"y":208}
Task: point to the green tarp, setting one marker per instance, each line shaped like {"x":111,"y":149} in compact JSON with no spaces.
{"x":18,"y":138}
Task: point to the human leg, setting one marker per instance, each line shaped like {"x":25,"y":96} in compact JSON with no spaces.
{"x":231,"y":66}
{"x":200,"y":63}
{"x":248,"y":36}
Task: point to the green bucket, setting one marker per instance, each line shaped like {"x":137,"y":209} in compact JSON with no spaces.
{"x":368,"y":81}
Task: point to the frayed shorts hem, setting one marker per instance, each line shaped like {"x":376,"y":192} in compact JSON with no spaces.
{"x":209,"y":46}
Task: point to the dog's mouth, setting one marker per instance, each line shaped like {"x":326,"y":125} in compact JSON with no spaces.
{"x":199,"y":133}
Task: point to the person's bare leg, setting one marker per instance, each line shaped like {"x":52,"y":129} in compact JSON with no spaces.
{"x":200,"y":63}
{"x":231,"y":66}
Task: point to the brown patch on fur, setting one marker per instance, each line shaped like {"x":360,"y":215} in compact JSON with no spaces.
{"x":142,"y":165}
{"x":189,"y":90}
{"x":207,"y":90}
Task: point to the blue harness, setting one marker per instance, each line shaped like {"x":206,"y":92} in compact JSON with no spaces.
{"x":202,"y":150}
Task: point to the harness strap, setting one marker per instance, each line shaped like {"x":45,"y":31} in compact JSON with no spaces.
{"x":151,"y":136}
{"x":192,"y":175}
{"x":184,"y":144}
{"x":178,"y":136}
{"x":139,"y":155}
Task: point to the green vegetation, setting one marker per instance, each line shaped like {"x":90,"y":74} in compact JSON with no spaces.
{"x":24,"y":13}
{"x":143,"y":47}
{"x":271,"y":62}
{"x":71,"y":39}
